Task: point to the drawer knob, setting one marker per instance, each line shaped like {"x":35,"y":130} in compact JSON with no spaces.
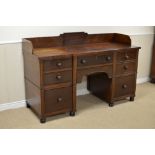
{"x":108,"y":58}
{"x":58,"y":77}
{"x":59,"y":99}
{"x":124,"y":86}
{"x":83,"y":61}
{"x":125,"y":67}
{"x":126,"y":57}
{"x":59,"y":64}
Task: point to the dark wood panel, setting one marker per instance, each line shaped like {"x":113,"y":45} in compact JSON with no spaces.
{"x":45,"y":42}
{"x":124,"y":85}
{"x":74,"y":83}
{"x":33,"y":96}
{"x":74,"y":38}
{"x":125,"y":39}
{"x":95,"y":38}
{"x":59,"y":85}
{"x":98,"y":69}
{"x":57,"y":77}
{"x":126,"y":68}
{"x":58,"y":99}
{"x":57,"y":63}
{"x":126,"y":55}
{"x":31,"y":64}
{"x":100,"y":85}
{"x":89,"y":60}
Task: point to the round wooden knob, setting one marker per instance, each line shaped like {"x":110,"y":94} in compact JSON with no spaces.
{"x":83,"y":61}
{"x":124,"y":86}
{"x":125,"y":67}
{"x":59,"y":99}
{"x":108,"y":58}
{"x":59,"y":77}
{"x":59,"y":64}
{"x":126,"y":57}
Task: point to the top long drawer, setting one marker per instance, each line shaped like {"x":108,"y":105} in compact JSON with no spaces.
{"x":97,"y":59}
{"x":57,"y":63}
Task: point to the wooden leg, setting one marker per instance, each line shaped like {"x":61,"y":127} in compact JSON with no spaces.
{"x":43,"y":120}
{"x":111,"y":104}
{"x":132,"y":98}
{"x":72,"y":113}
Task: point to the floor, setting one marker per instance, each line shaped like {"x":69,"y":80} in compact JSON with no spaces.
{"x":93,"y":113}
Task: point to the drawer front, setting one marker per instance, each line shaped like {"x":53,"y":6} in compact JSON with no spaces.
{"x":126,"y":55}
{"x":57,"y":64}
{"x":90,"y":60}
{"x":58,"y":99}
{"x":124,"y":85}
{"x":108,"y":69}
{"x":126,"y":68}
{"x":58,"y":77}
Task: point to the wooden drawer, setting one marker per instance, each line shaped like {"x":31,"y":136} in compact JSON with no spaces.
{"x":108,"y":69}
{"x":58,"y":63}
{"x":125,"y":55}
{"x":58,"y":77}
{"x":58,"y":100}
{"x":125,"y":85}
{"x":125,"y":68}
{"x":90,"y":60}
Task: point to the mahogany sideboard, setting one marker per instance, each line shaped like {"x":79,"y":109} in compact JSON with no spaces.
{"x":54,"y":65}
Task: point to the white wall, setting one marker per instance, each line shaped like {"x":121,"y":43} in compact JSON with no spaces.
{"x":11,"y":60}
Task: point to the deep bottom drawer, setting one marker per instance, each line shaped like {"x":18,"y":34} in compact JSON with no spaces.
{"x":124,"y":85}
{"x":58,"y":99}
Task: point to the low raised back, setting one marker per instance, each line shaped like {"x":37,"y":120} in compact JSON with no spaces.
{"x":99,"y":38}
{"x":121,"y":38}
{"x":76,"y":38}
{"x":46,"y":42}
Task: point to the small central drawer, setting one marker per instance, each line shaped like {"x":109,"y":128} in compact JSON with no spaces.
{"x":57,"y":63}
{"x":58,"y":99}
{"x":125,"y":68}
{"x":89,"y":60}
{"x":124,"y":85}
{"x":58,"y":77}
{"x":125,"y":55}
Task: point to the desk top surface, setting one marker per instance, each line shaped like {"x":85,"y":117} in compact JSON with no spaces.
{"x":76,"y":43}
{"x":80,"y":49}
